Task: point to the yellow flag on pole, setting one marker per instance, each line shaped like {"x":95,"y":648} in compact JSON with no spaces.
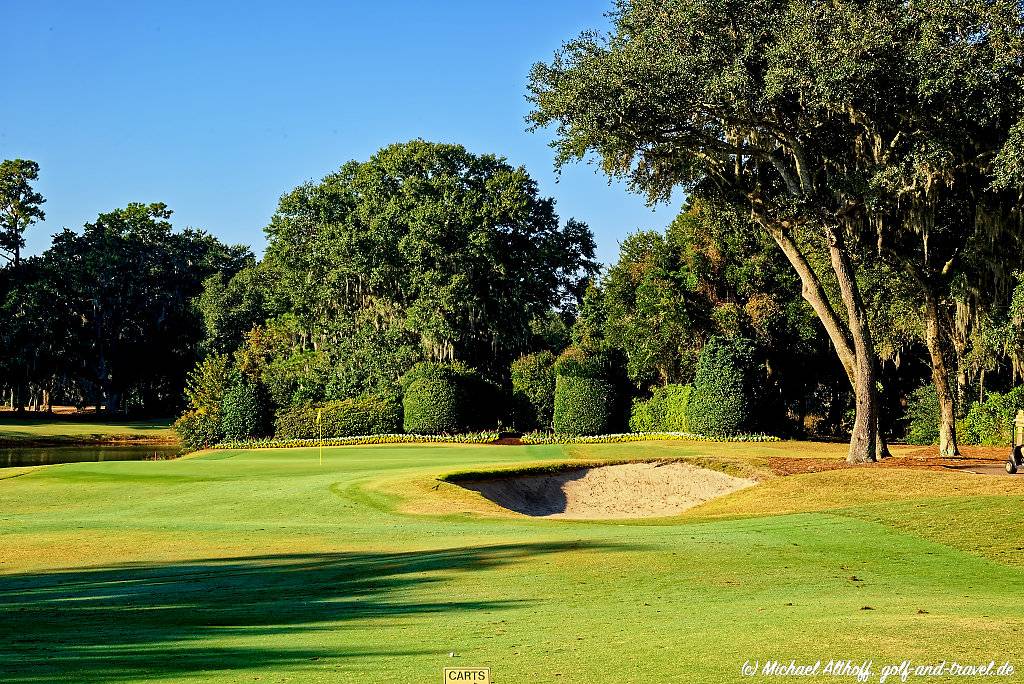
{"x":320,"y":429}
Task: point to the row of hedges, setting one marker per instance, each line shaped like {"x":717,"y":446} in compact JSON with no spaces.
{"x":367,"y":415}
{"x":577,"y":393}
{"x":987,"y":423}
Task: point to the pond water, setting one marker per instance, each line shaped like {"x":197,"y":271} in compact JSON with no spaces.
{"x":47,"y":455}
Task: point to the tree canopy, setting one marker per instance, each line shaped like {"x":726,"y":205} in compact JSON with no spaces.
{"x":821,"y":121}
{"x":423,"y":252}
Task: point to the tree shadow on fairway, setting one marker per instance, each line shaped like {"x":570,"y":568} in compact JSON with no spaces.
{"x":147,"y":621}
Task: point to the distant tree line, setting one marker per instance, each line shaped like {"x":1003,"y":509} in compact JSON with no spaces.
{"x":105,"y":317}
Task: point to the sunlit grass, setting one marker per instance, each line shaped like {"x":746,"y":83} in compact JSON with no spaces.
{"x":232,"y":566}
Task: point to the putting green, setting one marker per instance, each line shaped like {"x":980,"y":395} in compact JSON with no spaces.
{"x":266,"y":566}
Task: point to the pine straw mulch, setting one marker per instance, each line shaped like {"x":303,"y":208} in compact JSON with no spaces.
{"x":986,"y":460}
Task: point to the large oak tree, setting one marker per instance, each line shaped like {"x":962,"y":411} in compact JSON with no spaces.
{"x":792,"y":109}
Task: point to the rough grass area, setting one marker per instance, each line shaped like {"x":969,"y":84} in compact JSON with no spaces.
{"x":59,"y":430}
{"x":266,"y":566}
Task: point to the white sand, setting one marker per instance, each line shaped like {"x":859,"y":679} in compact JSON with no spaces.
{"x":633,"y":490}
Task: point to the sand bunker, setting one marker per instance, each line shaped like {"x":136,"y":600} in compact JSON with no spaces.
{"x":632,"y":490}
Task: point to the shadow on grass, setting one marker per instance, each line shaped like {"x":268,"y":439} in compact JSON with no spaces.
{"x":149,"y":621}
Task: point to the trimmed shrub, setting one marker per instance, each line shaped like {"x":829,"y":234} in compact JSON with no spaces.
{"x":677,"y":398}
{"x":585,"y":396}
{"x":197,"y":430}
{"x":583,"y":406}
{"x":990,"y":423}
{"x":551,"y":438}
{"x":469,"y":438}
{"x":533,"y":390}
{"x":447,"y":398}
{"x":721,"y":402}
{"x":367,"y":415}
{"x":434,"y":406}
{"x":923,"y":416}
{"x":665,"y":411}
{"x":244,"y":412}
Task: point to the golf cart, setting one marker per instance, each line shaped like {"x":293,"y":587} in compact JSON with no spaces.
{"x":1016,"y":460}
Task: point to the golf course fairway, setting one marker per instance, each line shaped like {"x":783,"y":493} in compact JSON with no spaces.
{"x":267,"y":565}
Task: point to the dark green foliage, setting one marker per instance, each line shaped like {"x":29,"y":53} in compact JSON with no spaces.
{"x":200,"y":425}
{"x":130,"y":280}
{"x":923,"y":416}
{"x":722,"y":400}
{"x":19,"y":204}
{"x":533,"y":390}
{"x":447,"y":398}
{"x":665,"y":411}
{"x":245,"y":411}
{"x":583,"y":406}
{"x":198,"y":430}
{"x":990,"y":423}
{"x":367,"y":415}
{"x":434,"y":406}
{"x":585,"y":396}
{"x":424,"y":251}
{"x":232,"y":306}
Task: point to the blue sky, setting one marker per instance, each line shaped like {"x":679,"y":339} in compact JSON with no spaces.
{"x":217,"y":108}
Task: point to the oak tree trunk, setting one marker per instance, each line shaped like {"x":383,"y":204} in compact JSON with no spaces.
{"x":864,"y":437}
{"x":935,"y":340}
{"x":858,"y":360}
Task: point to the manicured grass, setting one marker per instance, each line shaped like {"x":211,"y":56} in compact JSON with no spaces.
{"x":266,"y":566}
{"x":56,"y":429}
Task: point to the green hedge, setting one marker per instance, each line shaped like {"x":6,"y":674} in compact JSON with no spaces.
{"x":447,"y":398}
{"x":245,"y":411}
{"x":583,"y":406}
{"x":990,"y":423}
{"x":923,"y":416}
{"x":665,"y":411}
{"x":198,"y":429}
{"x":585,"y":396}
{"x":367,"y":415}
{"x":200,"y":425}
{"x":533,"y":390}
{"x":434,"y":407}
{"x":721,"y":402}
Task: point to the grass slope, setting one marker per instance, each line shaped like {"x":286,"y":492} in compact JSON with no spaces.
{"x":263,"y":565}
{"x":57,"y":430}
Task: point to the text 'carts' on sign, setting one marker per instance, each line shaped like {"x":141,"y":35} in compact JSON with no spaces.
{"x":467,"y":675}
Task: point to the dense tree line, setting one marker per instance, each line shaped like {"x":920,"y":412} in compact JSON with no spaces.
{"x":105,"y":316}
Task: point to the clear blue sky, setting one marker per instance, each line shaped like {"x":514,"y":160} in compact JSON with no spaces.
{"x":217,"y":108}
